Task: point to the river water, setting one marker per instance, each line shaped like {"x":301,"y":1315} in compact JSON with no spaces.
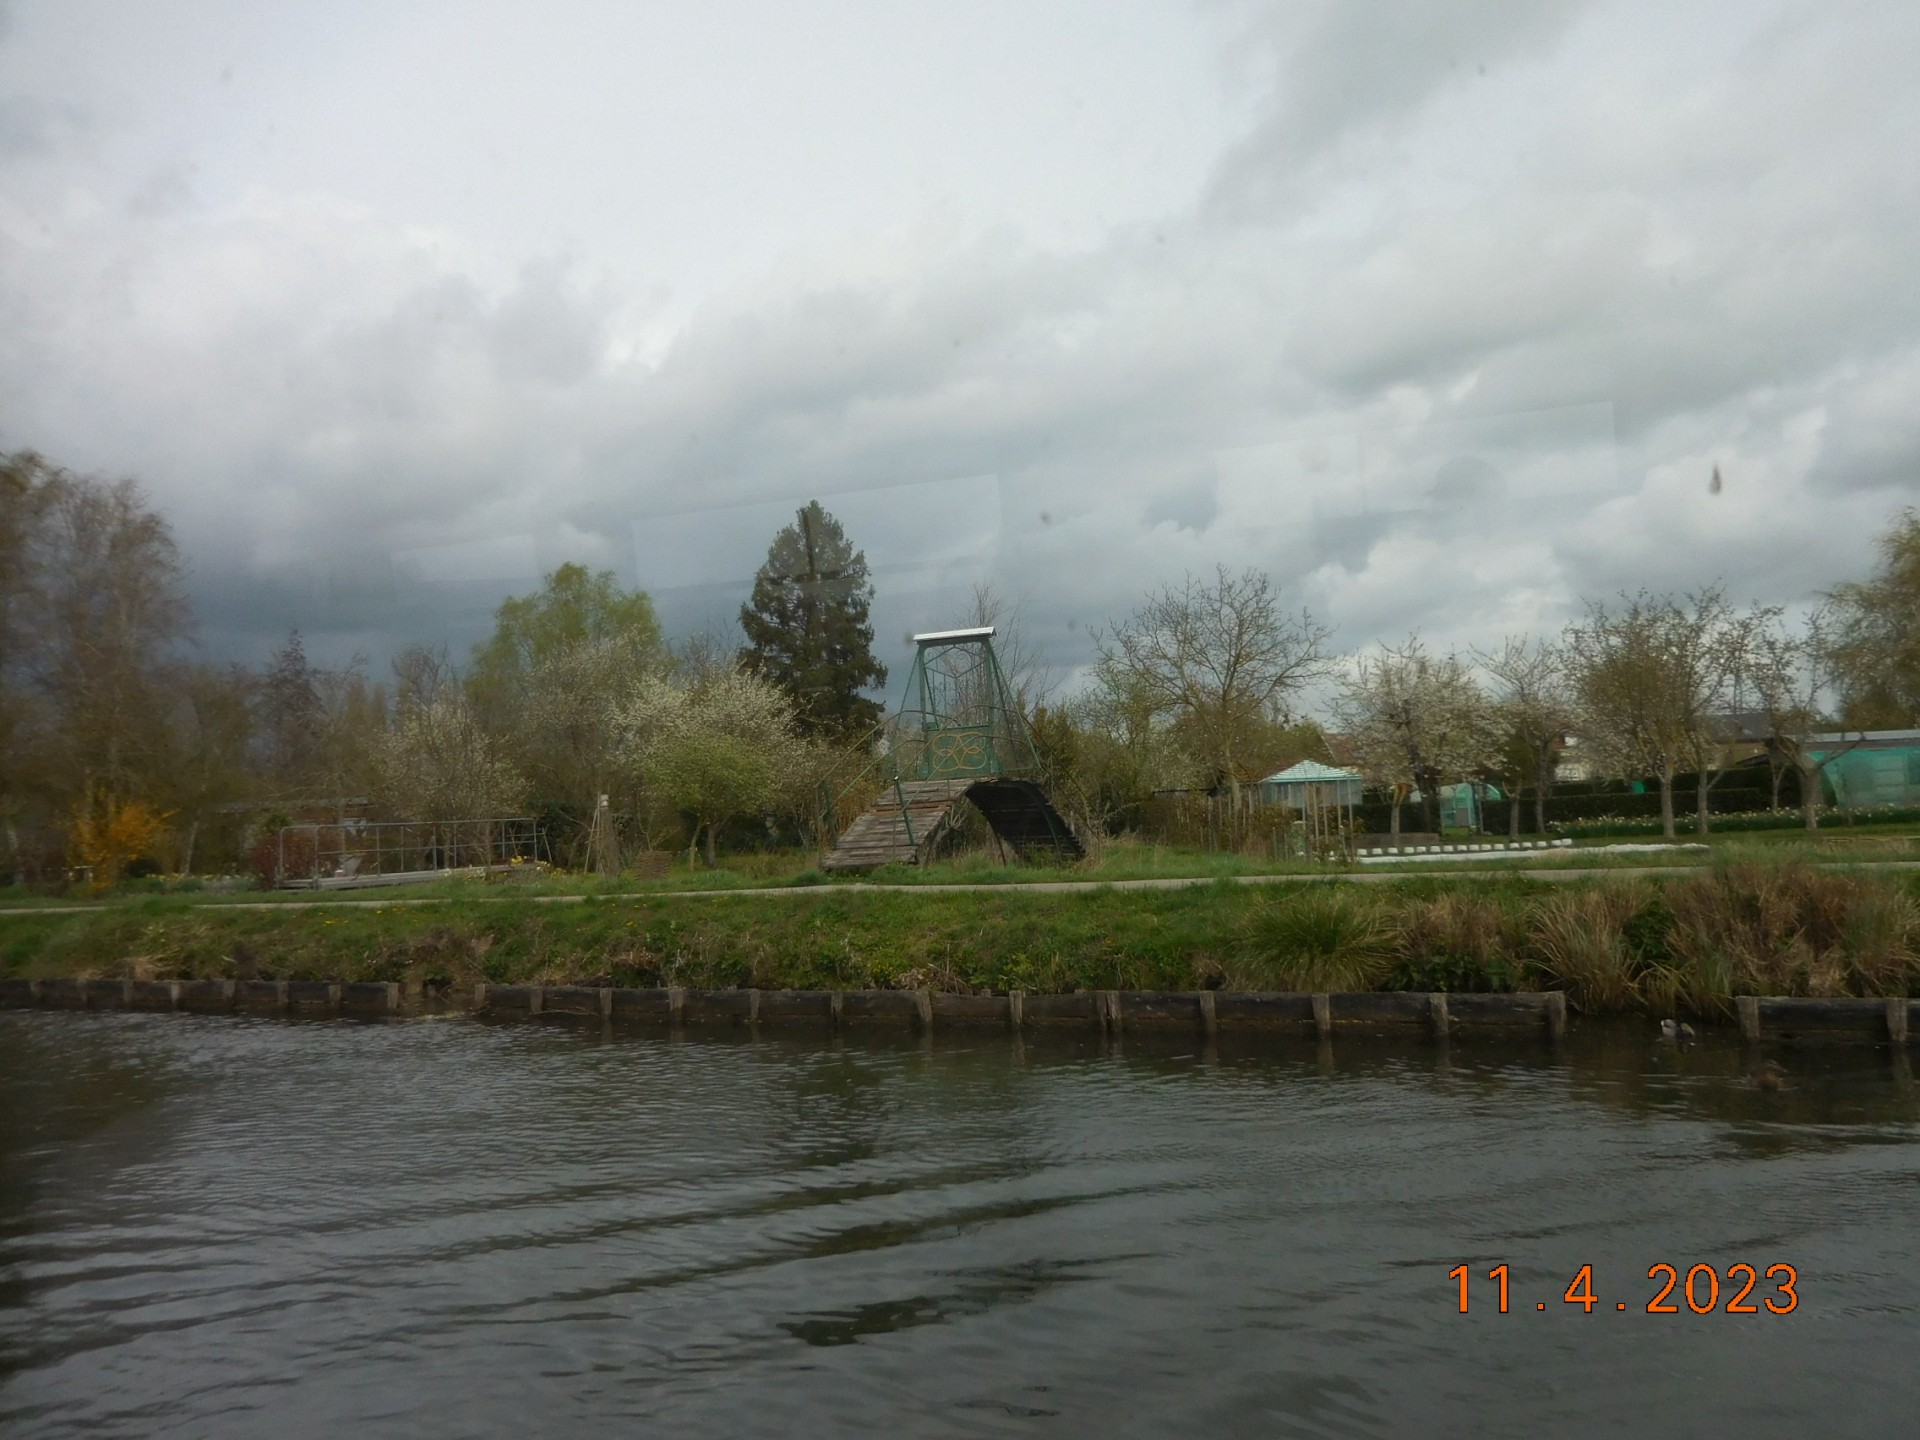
{"x":236,"y":1227}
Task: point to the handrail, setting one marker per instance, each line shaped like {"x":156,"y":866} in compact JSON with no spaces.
{"x":829,"y":815}
{"x":906,"y":819}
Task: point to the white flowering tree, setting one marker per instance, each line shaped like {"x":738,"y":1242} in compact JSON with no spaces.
{"x":439,"y":763}
{"x":715,"y":750}
{"x":1416,"y":719}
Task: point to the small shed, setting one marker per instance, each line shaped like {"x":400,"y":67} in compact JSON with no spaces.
{"x":1311,"y":786}
{"x":1870,"y":767}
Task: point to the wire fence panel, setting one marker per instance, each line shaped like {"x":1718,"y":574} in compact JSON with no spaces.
{"x":359,"y":853}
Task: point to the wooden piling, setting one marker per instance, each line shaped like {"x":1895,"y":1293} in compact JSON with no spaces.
{"x":1459,"y":1016}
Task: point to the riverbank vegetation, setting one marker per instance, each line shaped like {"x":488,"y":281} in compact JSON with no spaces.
{"x":1659,"y":944}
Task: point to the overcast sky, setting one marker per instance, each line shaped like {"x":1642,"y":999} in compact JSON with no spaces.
{"x":1442,"y":313}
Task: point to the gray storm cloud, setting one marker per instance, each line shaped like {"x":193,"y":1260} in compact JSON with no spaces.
{"x":1441,"y":313}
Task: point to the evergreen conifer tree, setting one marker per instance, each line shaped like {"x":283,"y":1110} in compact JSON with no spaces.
{"x":807,"y":629}
{"x":291,"y":714}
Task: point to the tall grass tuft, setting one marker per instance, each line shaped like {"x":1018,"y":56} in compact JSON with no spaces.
{"x":1581,"y":937}
{"x":1765,"y":929}
{"x":1318,"y":938}
{"x":1882,"y":941}
{"x":1461,"y":940}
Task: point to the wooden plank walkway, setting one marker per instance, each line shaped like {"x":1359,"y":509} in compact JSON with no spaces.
{"x":902,"y":826}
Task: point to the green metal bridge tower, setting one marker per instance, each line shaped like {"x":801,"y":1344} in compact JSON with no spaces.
{"x":960,"y":734}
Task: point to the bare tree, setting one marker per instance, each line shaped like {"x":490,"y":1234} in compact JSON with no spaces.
{"x":1417,"y":721}
{"x":1875,"y":634}
{"x":1648,"y":679}
{"x":1221,"y":659}
{"x":211,"y":766}
{"x":703,"y":656}
{"x":420,"y":673}
{"x":107,"y":617}
{"x":1533,"y":704}
{"x":1794,"y":677}
{"x":1026,"y":673}
{"x":28,"y":486}
{"x":1112,"y":749}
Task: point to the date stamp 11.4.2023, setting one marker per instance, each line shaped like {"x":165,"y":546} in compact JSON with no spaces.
{"x":1742,"y":1289}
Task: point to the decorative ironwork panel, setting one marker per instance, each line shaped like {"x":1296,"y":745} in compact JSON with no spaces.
{"x":960,"y":754}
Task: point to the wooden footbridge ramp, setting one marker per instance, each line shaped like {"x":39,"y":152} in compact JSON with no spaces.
{"x":961,"y":738}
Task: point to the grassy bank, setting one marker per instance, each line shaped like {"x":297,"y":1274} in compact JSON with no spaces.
{"x":1117,"y":861}
{"x":1619,"y":944}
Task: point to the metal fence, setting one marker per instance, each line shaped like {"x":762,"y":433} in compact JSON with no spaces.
{"x":359,"y":853}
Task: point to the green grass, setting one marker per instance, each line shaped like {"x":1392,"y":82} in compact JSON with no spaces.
{"x":1116,"y":861}
{"x":1631,"y":943}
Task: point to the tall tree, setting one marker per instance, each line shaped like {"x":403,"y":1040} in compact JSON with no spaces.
{"x":1876,"y":635}
{"x":290,"y":714}
{"x":1649,"y":678}
{"x":28,"y":486}
{"x":1222,"y":660}
{"x":807,"y":626}
{"x":1795,"y":675}
{"x":573,"y":607}
{"x":553,"y":676}
{"x":211,"y":765}
{"x":1533,"y":704}
{"x":108,"y":617}
{"x":1417,"y":720}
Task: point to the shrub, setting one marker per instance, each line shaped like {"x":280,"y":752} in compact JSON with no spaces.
{"x":299,"y":851}
{"x":1320,"y":938}
{"x":110,"y":837}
